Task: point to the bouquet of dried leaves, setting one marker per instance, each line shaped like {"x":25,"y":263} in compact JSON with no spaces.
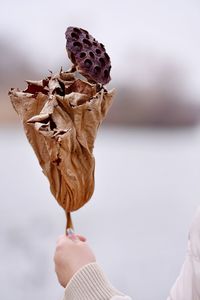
{"x":61,"y":115}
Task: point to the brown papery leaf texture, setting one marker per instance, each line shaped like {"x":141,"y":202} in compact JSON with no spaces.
{"x":61,"y":115}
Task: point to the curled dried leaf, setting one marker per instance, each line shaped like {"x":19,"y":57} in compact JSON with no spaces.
{"x":61,"y":115}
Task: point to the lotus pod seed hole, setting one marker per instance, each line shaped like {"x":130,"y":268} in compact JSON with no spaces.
{"x":102,"y":61}
{"x":106,"y":74}
{"x":87,"y":63}
{"x":87,"y":42}
{"x":107,"y":56}
{"x":85,"y":31}
{"x":77,"y":46}
{"x":102,"y":46}
{"x":74,"y":35}
{"x":82,"y":54}
{"x":77,"y":30}
{"x":97,"y":70}
{"x":91,"y":54}
{"x":98,"y":52}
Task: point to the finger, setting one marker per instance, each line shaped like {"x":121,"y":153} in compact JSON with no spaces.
{"x":81,"y":238}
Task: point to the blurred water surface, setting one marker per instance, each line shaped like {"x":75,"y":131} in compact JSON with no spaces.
{"x":147,"y":190}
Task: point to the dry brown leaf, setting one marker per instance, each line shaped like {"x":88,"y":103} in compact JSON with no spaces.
{"x":61,"y":116}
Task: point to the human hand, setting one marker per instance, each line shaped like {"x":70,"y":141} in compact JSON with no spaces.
{"x":72,"y":253}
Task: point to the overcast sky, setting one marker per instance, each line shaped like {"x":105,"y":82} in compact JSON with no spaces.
{"x":131,"y":30}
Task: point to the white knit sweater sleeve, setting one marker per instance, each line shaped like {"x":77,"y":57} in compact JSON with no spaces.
{"x":187,"y":285}
{"x":90,"y":283}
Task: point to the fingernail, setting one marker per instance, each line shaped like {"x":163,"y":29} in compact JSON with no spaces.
{"x":71,"y":234}
{"x":70,"y":231}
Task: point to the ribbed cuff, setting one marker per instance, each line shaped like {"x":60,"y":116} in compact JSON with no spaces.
{"x":90,"y":283}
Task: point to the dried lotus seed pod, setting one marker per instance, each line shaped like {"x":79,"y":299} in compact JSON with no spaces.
{"x":88,"y":56}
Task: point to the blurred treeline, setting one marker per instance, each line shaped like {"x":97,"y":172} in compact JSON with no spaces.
{"x":156,"y":99}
